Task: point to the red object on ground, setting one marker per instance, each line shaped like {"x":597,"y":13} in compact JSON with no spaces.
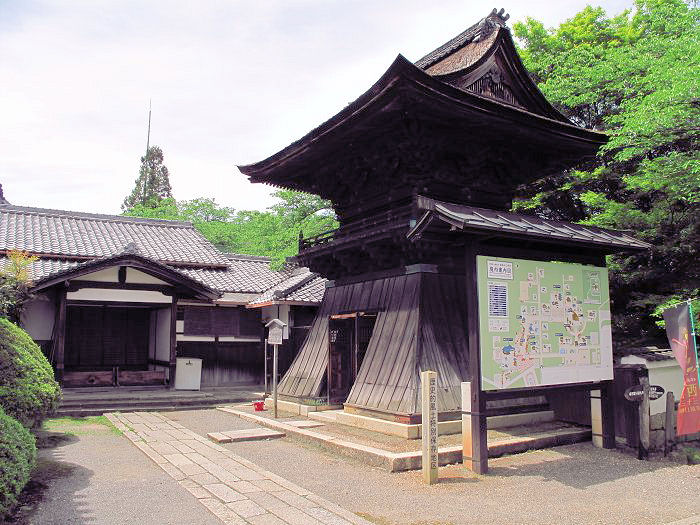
{"x":259,"y":405}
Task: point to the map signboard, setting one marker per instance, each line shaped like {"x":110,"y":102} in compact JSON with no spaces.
{"x":542,"y":323}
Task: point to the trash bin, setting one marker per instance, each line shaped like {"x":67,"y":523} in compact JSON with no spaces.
{"x":188,"y":373}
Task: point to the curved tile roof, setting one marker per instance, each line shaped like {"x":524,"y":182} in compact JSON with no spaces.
{"x":84,"y":235}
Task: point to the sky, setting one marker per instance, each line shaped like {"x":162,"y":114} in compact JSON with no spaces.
{"x":231,"y":82}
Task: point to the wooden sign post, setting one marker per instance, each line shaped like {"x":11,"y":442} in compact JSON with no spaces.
{"x":275,"y":332}
{"x":643,"y":452}
{"x":669,"y":431}
{"x":429,"y":416}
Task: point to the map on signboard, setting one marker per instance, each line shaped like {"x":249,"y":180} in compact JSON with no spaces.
{"x":542,"y":323}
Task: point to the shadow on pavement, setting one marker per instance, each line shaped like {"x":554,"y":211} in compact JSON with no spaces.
{"x":580,"y":467}
{"x":54,"y":478}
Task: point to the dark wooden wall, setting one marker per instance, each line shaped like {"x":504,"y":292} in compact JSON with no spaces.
{"x":226,"y":364}
{"x":101,"y":337}
{"x":421,"y":324}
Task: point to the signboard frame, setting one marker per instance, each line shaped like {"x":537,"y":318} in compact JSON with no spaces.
{"x":516,"y":320}
{"x":474,"y":414}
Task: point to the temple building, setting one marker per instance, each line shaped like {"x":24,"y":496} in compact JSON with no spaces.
{"x":421,"y":170}
{"x":117,"y":300}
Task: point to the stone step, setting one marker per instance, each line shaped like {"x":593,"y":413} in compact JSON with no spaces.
{"x":252,"y":434}
{"x":305,"y":423}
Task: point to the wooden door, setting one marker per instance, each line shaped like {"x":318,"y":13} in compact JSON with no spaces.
{"x":341,"y":336}
{"x":364,"y":326}
{"x":102,"y":337}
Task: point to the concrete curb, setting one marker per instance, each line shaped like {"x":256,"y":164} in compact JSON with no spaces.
{"x":403,"y":461}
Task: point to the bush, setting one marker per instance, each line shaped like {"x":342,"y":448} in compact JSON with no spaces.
{"x":28,"y":390}
{"x":17,"y":457}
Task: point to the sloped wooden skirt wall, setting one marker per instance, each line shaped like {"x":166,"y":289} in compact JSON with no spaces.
{"x":421,"y":324}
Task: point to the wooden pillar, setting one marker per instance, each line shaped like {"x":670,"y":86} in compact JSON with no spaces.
{"x":475,"y":453}
{"x":61,"y":334}
{"x":173,"y":340}
{"x":607,"y":405}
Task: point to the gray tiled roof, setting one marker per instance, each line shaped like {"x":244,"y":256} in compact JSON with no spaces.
{"x":481,"y":219}
{"x":73,"y":234}
{"x":300,"y":286}
{"x":310,"y":292}
{"x":64,"y":240}
{"x":244,"y":274}
{"x":648,"y":353}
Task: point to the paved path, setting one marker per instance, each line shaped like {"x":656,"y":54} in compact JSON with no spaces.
{"x":236,"y":490}
{"x":98,"y":478}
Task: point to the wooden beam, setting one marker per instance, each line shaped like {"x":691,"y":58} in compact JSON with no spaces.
{"x":78,"y":285}
{"x":475,"y":446}
{"x":173,"y":340}
{"x":61,"y":335}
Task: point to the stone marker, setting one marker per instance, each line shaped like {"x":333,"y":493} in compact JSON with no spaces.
{"x":430,"y":426}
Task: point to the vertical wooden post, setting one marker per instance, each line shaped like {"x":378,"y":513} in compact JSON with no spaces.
{"x":475,"y":454}
{"x":607,"y":408}
{"x":669,"y":431}
{"x":173,"y":341}
{"x":265,"y":367}
{"x":61,"y":334}
{"x":429,"y":428}
{"x":275,"y":357}
{"x":643,"y":452}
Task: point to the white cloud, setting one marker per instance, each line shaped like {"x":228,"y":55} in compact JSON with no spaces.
{"x":231,"y":83}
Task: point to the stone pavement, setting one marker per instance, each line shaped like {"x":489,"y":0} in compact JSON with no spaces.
{"x":234,"y":489}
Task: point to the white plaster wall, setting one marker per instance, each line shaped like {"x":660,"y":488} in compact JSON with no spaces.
{"x":134,"y":296}
{"x":277,"y":311}
{"x":205,"y":338}
{"x":667,"y":374}
{"x":38,"y":317}
{"x":162,"y":333}
{"x":111,"y":275}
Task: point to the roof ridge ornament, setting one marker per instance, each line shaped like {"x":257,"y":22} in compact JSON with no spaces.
{"x":495,"y":20}
{"x":131,"y":249}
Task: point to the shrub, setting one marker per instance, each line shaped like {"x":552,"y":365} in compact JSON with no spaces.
{"x":17,"y":457}
{"x":28,"y":390}
{"x":14,"y":284}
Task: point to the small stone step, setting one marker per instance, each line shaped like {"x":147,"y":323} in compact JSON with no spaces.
{"x":329,"y":416}
{"x":253,"y":434}
{"x":305,"y":423}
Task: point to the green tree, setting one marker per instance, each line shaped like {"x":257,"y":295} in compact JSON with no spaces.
{"x":153,"y":182}
{"x":273,"y":232}
{"x":637,"y":77}
{"x":14,"y":285}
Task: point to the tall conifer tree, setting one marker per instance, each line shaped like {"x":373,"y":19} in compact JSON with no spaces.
{"x":153,"y":182}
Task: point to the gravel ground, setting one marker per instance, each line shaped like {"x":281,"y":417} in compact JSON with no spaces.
{"x":101,"y":478}
{"x":575,"y":484}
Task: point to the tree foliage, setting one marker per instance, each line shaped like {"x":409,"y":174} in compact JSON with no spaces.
{"x":152,"y":184}
{"x":637,"y":77}
{"x":273,"y":232}
{"x":14,"y":284}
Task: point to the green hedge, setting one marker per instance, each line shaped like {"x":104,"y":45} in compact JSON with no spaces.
{"x":17,"y":457}
{"x":28,"y":390}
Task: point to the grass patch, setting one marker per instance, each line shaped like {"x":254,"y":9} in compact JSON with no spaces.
{"x":80,"y":426}
{"x":692,"y":455}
